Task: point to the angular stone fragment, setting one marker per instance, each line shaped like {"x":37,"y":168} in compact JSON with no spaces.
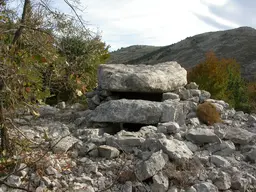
{"x":125,"y":142}
{"x":175,"y":149}
{"x":150,"y":167}
{"x":251,"y":155}
{"x":239,"y":183}
{"x":224,"y":148}
{"x":223,"y":181}
{"x":170,"y":96}
{"x":206,"y":187}
{"x":201,"y":136}
{"x":239,"y":135}
{"x":162,"y":77}
{"x":174,"y":111}
{"x":219,"y":161}
{"x":160,"y":183}
{"x":168,"y":127}
{"x":108,"y":151}
{"x":64,"y":144}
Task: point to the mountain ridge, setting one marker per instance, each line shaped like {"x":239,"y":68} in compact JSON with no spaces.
{"x":238,"y":43}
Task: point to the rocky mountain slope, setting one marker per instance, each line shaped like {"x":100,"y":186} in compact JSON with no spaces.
{"x":238,"y":43}
{"x":123,"y":55}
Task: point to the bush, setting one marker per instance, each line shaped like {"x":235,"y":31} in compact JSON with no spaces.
{"x":208,"y":114}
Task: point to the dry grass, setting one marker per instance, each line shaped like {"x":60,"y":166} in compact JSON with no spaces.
{"x":184,"y":173}
{"x":208,"y":114}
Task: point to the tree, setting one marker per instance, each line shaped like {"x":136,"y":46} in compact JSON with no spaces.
{"x":222,"y":78}
{"x":34,"y":57}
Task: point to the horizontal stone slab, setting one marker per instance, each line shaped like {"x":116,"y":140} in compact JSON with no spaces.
{"x":140,"y":111}
{"x":162,"y":77}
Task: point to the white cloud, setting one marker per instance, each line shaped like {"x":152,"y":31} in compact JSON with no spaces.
{"x":150,"y":22}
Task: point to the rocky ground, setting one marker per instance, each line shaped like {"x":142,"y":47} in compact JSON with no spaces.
{"x":165,"y":157}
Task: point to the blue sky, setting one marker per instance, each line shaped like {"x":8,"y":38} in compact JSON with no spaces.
{"x":162,"y":22}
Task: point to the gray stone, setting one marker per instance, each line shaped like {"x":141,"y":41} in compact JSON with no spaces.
{"x":79,"y":121}
{"x":52,"y":171}
{"x":185,"y":94}
{"x":90,"y":94}
{"x":160,"y":183}
{"x":194,"y":99}
{"x":173,"y":189}
{"x":170,"y":96}
{"x":46,"y":181}
{"x":64,"y":144}
{"x":174,"y":111}
{"x":94,"y":153}
{"x":91,"y":105}
{"x":108,"y":152}
{"x":61,"y":105}
{"x":175,"y":149}
{"x":224,"y":148}
{"x":202,"y":136}
{"x":78,"y":106}
{"x":125,"y":142}
{"x":251,"y":155}
{"x":128,"y":111}
{"x":252,"y":119}
{"x":14,"y":180}
{"x":23,"y":170}
{"x":168,"y":127}
{"x":192,"y":85}
{"x":191,"y":189}
{"x":194,"y":121}
{"x":239,"y":135}
{"x":204,"y":96}
{"x":239,"y":183}
{"x":127,"y":187}
{"x":219,"y":161}
{"x":41,"y":189}
{"x":85,"y":148}
{"x":96,"y":99}
{"x":162,"y":77}
{"x":150,"y":167}
{"x":193,"y":147}
{"x":47,"y":111}
{"x":145,"y":132}
{"x":223,"y":181}
{"x":189,"y":93}
{"x":205,"y":187}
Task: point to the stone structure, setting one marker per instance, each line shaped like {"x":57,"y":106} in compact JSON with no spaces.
{"x":141,"y":94}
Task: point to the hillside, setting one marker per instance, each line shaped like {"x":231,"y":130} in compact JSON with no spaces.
{"x":238,"y":43}
{"x":123,"y":55}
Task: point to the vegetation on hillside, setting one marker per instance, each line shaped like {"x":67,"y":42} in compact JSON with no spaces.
{"x":123,"y":55}
{"x":44,"y":55}
{"x":222,"y":78}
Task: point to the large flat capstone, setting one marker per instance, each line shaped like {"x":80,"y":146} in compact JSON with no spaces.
{"x":162,"y":77}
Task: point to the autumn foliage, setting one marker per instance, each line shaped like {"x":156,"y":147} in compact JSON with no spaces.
{"x":222,"y":78}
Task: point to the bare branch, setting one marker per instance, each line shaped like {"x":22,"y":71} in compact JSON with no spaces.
{"x":78,"y":17}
